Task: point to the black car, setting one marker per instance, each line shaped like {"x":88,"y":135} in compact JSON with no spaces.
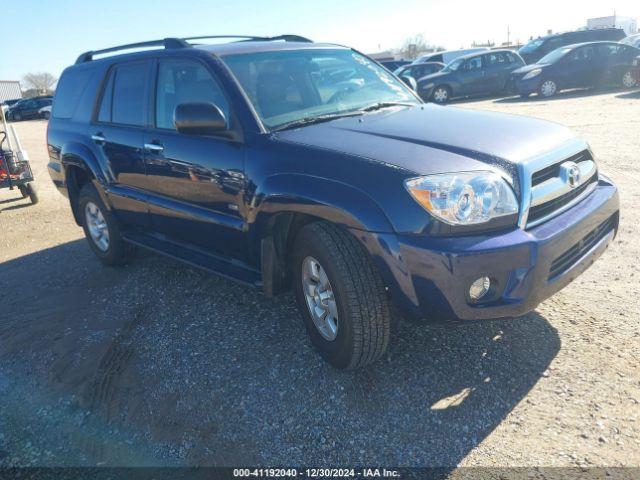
{"x":578,"y":66}
{"x":538,"y":48}
{"x":419,"y":70}
{"x":28,"y":108}
{"x":475,"y":74}
{"x":291,"y":165}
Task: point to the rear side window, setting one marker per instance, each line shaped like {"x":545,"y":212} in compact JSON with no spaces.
{"x":124,"y":95}
{"x":69,"y":92}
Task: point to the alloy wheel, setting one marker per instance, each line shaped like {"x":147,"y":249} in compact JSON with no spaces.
{"x":628,"y":81}
{"x":320,"y":299}
{"x":97,"y":226}
{"x":441,"y":95}
{"x":548,"y":88}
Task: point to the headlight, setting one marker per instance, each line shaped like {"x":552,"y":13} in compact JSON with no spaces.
{"x":464,"y":198}
{"x":532,"y":73}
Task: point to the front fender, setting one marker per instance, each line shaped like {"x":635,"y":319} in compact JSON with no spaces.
{"x":330,"y":200}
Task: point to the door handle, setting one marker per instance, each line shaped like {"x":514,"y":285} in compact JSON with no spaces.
{"x":98,"y":138}
{"x":153,"y":147}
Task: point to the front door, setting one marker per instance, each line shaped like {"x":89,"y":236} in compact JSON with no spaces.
{"x":582,"y":68}
{"x":195,"y":183}
{"x":473,"y":77}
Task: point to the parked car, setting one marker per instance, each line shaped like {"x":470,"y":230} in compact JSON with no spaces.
{"x":419,"y":70}
{"x":449,"y":55}
{"x":578,"y":66}
{"x":245,"y":159}
{"x":538,"y":48}
{"x":475,"y":74}
{"x":28,"y":108}
{"x":392,"y":65}
{"x":45,"y":112}
{"x":11,"y":102}
{"x":633,"y":40}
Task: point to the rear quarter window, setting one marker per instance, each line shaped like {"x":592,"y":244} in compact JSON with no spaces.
{"x":69,"y":91}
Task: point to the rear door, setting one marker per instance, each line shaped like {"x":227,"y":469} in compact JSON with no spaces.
{"x":617,"y":59}
{"x":118,"y":133}
{"x":195,"y":182}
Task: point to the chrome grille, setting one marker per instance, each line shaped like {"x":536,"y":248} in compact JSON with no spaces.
{"x":555,"y":187}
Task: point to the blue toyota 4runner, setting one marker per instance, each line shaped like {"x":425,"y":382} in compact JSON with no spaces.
{"x":287,"y":164}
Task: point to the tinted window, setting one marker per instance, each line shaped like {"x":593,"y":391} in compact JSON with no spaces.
{"x":181,"y":81}
{"x":104,"y":115}
{"x":474,"y":63}
{"x":129,"y":94}
{"x":497,"y":59}
{"x":69,"y":91}
{"x":584,"y":54}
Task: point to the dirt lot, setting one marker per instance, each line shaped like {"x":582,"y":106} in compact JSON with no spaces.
{"x":160,"y":364}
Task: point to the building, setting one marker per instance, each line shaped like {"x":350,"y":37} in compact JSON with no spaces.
{"x":628,"y":24}
{"x":9,"y":90}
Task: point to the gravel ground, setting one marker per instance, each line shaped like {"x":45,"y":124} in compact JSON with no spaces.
{"x":160,"y":364}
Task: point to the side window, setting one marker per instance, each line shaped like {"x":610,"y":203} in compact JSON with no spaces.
{"x":182,"y":81}
{"x":104,"y":115}
{"x":129,"y":87}
{"x":584,"y":54}
{"x":69,"y":92}
{"x":474,"y":63}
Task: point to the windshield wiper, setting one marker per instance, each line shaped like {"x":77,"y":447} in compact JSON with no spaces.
{"x":317,"y":119}
{"x":381,"y":105}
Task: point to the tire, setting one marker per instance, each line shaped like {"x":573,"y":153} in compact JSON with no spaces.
{"x":441,"y":94}
{"x":548,"y":88}
{"x":46,"y":115}
{"x":360,"y":299}
{"x":628,"y":81}
{"x":116,"y":251}
{"x":29,"y":190}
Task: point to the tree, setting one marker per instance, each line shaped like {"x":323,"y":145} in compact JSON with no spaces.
{"x":43,"y":82}
{"x":412,"y":46}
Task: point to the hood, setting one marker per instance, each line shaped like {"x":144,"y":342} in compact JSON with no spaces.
{"x":428,"y":138}
{"x":527,"y":68}
{"x":433,"y":77}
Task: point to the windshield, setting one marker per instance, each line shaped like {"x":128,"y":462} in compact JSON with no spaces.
{"x":532,"y":45}
{"x":453,"y":65}
{"x":554,"y":56}
{"x":291,"y":85}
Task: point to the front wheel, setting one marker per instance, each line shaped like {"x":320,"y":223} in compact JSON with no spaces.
{"x":628,"y":81}
{"x":548,"y":88}
{"x":102,"y":229}
{"x":441,"y":94}
{"x":341,"y":296}
{"x":28,"y":190}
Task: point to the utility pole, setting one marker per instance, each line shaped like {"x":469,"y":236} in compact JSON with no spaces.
{"x":508,"y":35}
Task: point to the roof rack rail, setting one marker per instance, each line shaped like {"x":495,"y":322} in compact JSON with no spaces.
{"x":166,"y":43}
{"x":184,"y":43}
{"x":249,"y":38}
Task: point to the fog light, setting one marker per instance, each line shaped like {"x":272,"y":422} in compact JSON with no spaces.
{"x":479,"y":289}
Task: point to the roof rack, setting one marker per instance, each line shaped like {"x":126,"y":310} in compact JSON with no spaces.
{"x":184,"y":43}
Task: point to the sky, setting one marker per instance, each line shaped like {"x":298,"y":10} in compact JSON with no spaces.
{"x":55,"y":32}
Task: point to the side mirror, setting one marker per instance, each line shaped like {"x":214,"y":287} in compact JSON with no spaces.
{"x":410,"y":81}
{"x":199,"y":118}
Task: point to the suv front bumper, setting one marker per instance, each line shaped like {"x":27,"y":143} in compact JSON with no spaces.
{"x":429,"y":277}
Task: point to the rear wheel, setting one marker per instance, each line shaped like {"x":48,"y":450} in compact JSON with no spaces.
{"x":341,"y":296}
{"x":548,"y":88}
{"x":628,"y":81}
{"x":102,"y":229}
{"x":441,"y":94}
